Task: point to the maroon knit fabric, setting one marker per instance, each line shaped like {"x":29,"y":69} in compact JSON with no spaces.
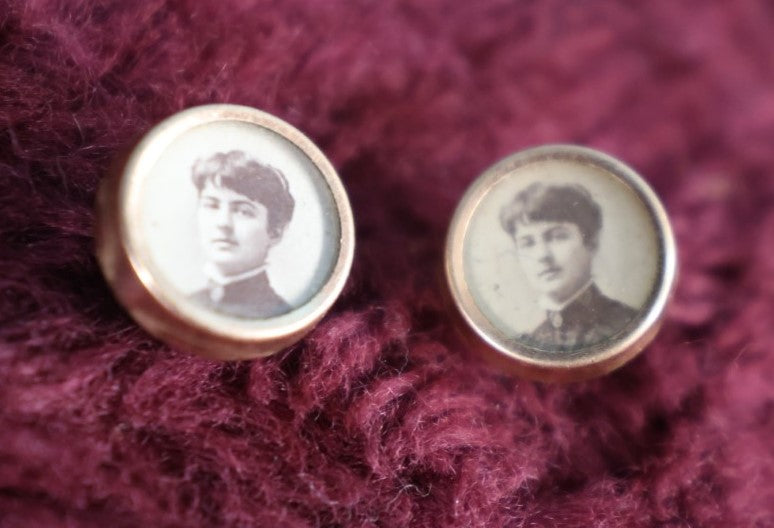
{"x":382,"y":417}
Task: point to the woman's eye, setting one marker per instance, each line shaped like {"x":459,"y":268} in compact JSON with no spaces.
{"x":526,"y":242}
{"x":559,"y":235}
{"x":246,"y":212}
{"x":210,"y":204}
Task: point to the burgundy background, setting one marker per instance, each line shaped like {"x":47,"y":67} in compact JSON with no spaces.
{"x":382,"y":417}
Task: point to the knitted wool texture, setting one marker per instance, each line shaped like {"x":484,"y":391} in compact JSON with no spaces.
{"x":382,"y":416}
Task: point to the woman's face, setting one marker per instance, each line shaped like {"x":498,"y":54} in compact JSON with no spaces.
{"x":554,"y":258}
{"x":233,"y":229}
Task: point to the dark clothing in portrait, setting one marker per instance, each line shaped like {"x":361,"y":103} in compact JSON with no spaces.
{"x":251,"y":298}
{"x":587,"y":320}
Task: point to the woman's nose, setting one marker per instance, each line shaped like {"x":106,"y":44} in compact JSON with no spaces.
{"x":224,"y":218}
{"x":544,"y":253}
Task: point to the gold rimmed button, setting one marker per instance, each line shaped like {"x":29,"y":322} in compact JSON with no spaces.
{"x":561,"y":259}
{"x":225,"y":231}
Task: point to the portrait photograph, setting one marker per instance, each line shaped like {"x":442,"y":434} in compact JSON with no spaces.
{"x":561,"y":257}
{"x":238,"y":222}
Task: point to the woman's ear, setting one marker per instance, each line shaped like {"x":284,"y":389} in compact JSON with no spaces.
{"x":274,"y":239}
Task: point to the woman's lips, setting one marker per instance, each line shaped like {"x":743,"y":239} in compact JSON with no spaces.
{"x":224,"y":243}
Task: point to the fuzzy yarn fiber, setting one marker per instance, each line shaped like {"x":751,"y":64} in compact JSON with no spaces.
{"x":382,"y":416}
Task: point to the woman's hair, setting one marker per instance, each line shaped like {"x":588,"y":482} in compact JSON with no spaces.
{"x":261,"y":183}
{"x":554,"y":203}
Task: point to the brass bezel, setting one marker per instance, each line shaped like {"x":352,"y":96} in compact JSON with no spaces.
{"x":595,"y":360}
{"x":125,"y":261}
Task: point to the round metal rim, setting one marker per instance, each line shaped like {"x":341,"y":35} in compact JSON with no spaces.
{"x":191,"y":327}
{"x":597,"y":359}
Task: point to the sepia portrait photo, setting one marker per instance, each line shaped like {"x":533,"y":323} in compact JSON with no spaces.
{"x":239,"y":222}
{"x":243,"y":208}
{"x":561,"y":256}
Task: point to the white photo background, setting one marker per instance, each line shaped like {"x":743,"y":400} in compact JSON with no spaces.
{"x":297,"y":266}
{"x":625,"y":266}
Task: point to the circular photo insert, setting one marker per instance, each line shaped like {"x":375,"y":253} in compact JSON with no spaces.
{"x":239,"y":221}
{"x":562,"y":258}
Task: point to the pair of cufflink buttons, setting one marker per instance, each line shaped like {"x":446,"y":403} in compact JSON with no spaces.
{"x":227,"y":232}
